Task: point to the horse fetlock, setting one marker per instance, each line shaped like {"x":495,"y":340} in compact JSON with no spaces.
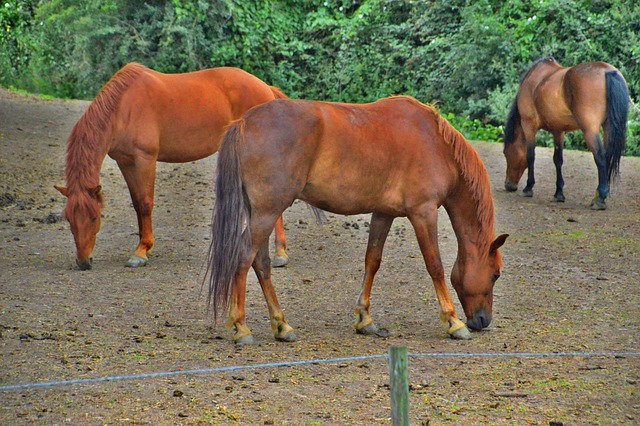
{"x":363,"y":320}
{"x":242,"y":335}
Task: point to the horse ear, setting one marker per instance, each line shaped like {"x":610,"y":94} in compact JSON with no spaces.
{"x":497,"y":243}
{"x":64,"y":191}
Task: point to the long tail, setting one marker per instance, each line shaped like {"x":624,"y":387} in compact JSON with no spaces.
{"x":512,"y":122}
{"x":279,"y":94}
{"x":617,"y":115}
{"x":230,"y":237}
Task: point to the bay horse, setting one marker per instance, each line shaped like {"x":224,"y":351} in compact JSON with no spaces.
{"x":142,"y":116}
{"x":560,"y":99}
{"x":393,"y":158}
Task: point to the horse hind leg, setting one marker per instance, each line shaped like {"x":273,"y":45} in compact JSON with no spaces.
{"x":280,"y":257}
{"x":558,"y":160}
{"x":282,"y":331}
{"x":258,"y":258}
{"x":594,"y":142}
{"x":378,"y":231}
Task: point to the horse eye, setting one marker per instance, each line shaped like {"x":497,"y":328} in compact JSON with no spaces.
{"x":495,"y":277}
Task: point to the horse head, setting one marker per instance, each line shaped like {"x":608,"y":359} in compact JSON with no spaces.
{"x":473,"y":278}
{"x":83,"y":213}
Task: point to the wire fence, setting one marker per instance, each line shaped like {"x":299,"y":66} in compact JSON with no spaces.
{"x":285,"y":364}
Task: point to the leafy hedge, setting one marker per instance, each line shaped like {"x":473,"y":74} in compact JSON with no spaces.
{"x":466,"y":56}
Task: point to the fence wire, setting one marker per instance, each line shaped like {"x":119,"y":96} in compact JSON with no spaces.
{"x":285,"y":364}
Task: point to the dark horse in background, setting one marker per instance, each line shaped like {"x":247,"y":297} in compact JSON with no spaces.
{"x":140,"y":117}
{"x":558,"y":99}
{"x":394,"y":158}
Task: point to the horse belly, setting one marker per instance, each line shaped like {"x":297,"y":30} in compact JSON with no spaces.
{"x":191,"y":140}
{"x":343,"y":195}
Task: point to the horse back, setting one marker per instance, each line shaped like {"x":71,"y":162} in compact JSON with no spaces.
{"x":380,"y":156}
{"x":182,"y":117}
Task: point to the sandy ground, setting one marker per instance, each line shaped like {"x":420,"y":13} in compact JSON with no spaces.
{"x":570,"y":284}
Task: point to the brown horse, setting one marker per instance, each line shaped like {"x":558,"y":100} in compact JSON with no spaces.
{"x":395,"y":157}
{"x":140,"y":117}
{"x":587,"y":96}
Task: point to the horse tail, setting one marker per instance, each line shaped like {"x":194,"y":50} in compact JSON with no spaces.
{"x":230,"y":238}
{"x":279,"y":94}
{"x":512,"y":122}
{"x":617,"y":114}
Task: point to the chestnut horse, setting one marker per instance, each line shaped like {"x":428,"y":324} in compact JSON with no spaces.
{"x":140,"y":117}
{"x":587,"y":96}
{"x":394,"y":158}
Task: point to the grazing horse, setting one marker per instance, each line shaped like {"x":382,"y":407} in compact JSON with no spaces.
{"x":394,"y":158}
{"x":140,"y":117}
{"x":558,"y":99}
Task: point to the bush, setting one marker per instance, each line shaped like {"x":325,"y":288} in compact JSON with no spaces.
{"x":466,"y":57}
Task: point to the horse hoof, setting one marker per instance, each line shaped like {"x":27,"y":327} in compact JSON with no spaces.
{"x":247,"y":339}
{"x":461,"y":334}
{"x":136,"y":261}
{"x":598,"y":204}
{"x":279,"y":261}
{"x":558,"y":198}
{"x":373,"y":330}
{"x":527,"y":193}
{"x":288,"y":337}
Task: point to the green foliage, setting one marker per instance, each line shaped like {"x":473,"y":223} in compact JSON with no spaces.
{"x":465,"y":56}
{"x":475,"y":129}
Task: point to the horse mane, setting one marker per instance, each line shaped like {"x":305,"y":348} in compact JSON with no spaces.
{"x":86,"y":139}
{"x":474,"y":174}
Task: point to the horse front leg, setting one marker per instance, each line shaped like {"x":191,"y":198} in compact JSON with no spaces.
{"x":378,"y":231}
{"x":282,"y":331}
{"x":140,"y":177}
{"x":531,"y":159}
{"x":599,"y":155}
{"x":558,"y":160}
{"x":425,"y":225}
{"x":280,"y":257}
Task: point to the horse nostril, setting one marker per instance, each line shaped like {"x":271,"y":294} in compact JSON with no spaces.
{"x":479,"y":321}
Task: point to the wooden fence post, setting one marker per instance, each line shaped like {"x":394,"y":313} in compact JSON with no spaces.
{"x":399,"y":383}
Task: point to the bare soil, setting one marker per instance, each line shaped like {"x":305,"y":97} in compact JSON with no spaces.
{"x":570,"y":284}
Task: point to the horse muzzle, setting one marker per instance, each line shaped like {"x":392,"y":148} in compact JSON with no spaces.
{"x":480,"y":320}
{"x":509,"y":186}
{"x":85,"y":265}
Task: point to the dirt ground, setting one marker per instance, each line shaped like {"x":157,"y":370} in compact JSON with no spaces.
{"x":570,"y":284}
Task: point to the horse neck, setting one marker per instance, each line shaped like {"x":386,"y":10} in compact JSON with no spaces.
{"x":473,"y":233}
{"x":86,"y":151}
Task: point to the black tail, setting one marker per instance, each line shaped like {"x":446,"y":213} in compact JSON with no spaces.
{"x":230,"y":235}
{"x":617,"y":115}
{"x":512,"y":122}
